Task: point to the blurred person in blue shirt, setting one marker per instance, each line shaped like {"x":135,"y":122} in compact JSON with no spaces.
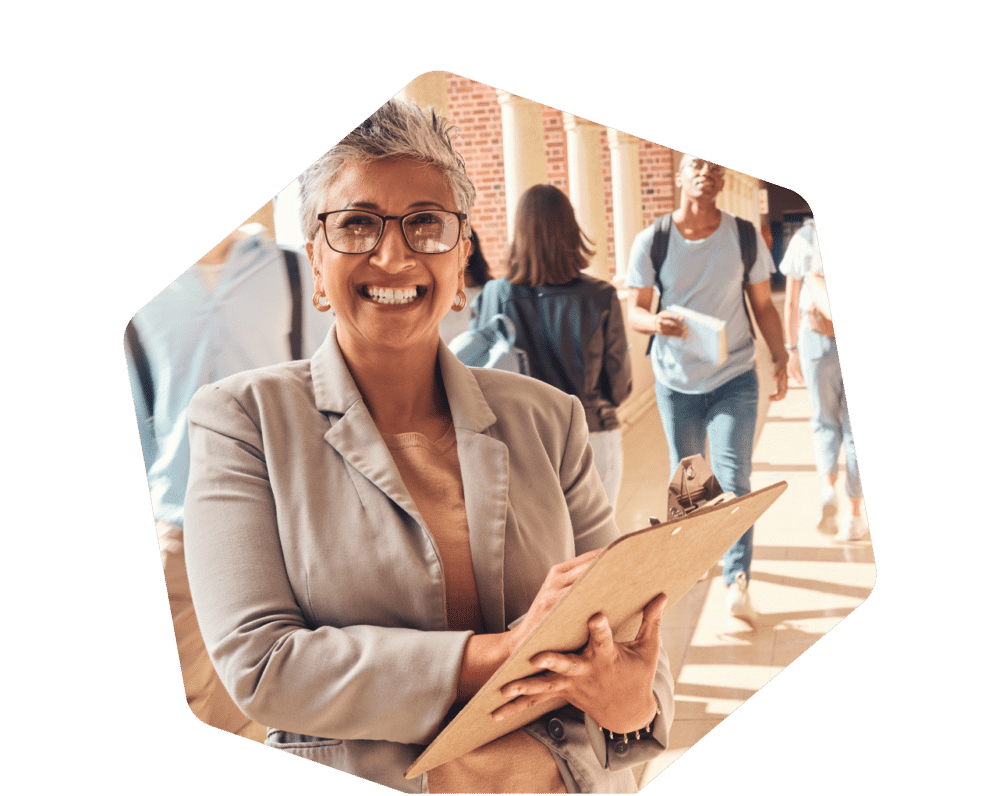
{"x":229,"y":312}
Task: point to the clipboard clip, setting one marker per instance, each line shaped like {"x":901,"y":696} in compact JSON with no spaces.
{"x":692,"y":487}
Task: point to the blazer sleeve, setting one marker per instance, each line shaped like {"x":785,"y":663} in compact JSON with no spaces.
{"x":356,"y":682}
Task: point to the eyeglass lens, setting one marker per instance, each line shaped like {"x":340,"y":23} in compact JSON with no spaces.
{"x":426,"y":231}
{"x":698,"y":165}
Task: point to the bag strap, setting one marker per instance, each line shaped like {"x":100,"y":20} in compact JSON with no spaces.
{"x":295,"y":285}
{"x":658,"y":250}
{"x":748,"y":251}
{"x":658,"y":256}
{"x":141,"y":365}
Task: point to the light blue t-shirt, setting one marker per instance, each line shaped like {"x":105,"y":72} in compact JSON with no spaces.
{"x":707,"y":276}
{"x":193,"y":336}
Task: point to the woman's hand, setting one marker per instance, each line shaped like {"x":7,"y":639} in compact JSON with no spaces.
{"x":671,"y":324}
{"x":557,"y":582}
{"x":610,"y":682}
{"x":487,"y":652}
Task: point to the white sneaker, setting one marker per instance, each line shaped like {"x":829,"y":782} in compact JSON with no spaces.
{"x":852,"y":529}
{"x":738,"y":598}
{"x":828,"y":512}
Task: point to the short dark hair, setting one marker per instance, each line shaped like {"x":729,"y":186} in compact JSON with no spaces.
{"x":477,"y":268}
{"x":548,"y":247}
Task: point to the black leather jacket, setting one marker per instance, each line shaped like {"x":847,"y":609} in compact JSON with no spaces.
{"x":574,"y":336}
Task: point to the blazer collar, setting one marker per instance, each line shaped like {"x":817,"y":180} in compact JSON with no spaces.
{"x":333,"y":384}
{"x":336,"y":391}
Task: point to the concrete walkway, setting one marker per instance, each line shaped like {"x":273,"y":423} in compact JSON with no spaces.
{"x":802,"y":581}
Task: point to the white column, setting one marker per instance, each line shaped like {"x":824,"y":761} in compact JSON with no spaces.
{"x":428,"y":90}
{"x":626,"y":196}
{"x":523,"y":149}
{"x":586,"y":187}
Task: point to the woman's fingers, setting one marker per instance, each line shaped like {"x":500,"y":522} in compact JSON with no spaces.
{"x":602,"y":640}
{"x":567,"y":665}
{"x":572,"y":569}
{"x":557,"y":582}
{"x":563,"y":575}
{"x":532,"y":686}
{"x":521,"y":703}
{"x":527,"y":693}
{"x":652,"y":618}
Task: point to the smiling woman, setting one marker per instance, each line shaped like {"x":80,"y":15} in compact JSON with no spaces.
{"x":366,"y":528}
{"x":379,"y":242}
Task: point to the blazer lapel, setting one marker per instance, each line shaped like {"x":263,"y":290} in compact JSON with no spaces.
{"x":480,"y":455}
{"x":353,"y":433}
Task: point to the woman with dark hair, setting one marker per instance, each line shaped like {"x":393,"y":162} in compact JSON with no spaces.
{"x":569,"y":323}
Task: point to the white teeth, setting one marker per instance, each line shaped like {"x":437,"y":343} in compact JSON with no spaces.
{"x":384,"y":295}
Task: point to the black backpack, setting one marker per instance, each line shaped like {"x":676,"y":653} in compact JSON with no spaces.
{"x":294,"y":335}
{"x":658,"y":256}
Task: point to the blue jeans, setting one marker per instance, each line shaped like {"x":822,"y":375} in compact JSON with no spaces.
{"x":830,"y":423}
{"x":727,"y":415}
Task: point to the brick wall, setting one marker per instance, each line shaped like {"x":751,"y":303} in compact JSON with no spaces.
{"x":475,"y":109}
{"x":555,"y":149}
{"x":656,"y":176}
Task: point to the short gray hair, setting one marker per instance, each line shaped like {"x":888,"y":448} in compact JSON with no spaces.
{"x":396,"y":130}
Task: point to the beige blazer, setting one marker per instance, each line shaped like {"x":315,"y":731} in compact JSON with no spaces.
{"x":318,"y":588}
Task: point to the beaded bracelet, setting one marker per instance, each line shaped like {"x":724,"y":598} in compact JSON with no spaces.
{"x":611,"y":735}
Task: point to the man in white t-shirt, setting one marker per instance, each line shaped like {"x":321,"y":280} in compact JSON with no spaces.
{"x":703,"y":271}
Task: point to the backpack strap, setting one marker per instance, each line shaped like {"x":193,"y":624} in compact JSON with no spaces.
{"x":141,"y":363}
{"x":295,"y":285}
{"x":748,"y":251}
{"x":658,"y":256}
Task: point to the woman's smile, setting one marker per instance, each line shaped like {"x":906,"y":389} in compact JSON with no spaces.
{"x":390,"y":295}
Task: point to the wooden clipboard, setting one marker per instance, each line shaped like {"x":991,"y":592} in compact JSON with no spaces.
{"x":667,"y":557}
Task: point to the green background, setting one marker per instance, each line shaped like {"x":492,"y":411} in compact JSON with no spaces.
{"x":137,"y":139}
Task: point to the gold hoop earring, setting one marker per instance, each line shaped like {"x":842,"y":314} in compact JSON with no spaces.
{"x":459,"y":303}
{"x":321,"y":307}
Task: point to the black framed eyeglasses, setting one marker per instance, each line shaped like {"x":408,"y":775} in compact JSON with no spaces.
{"x":359,"y":231}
